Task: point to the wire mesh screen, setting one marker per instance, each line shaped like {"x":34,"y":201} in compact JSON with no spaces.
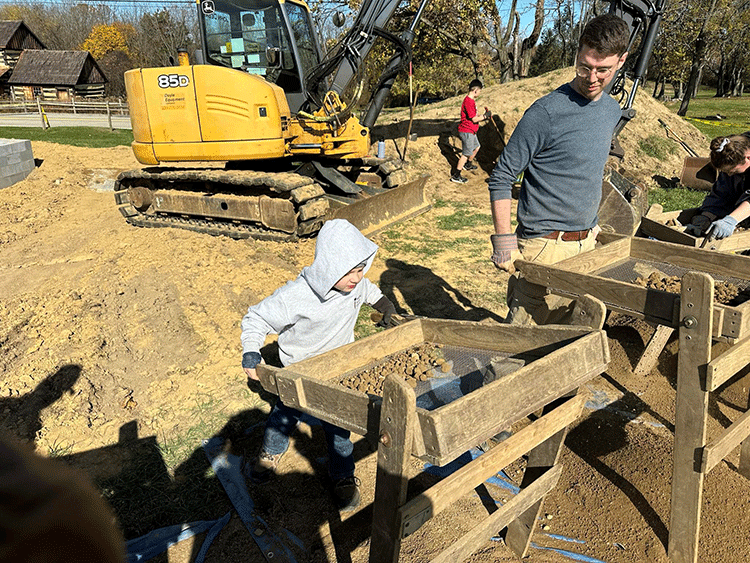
{"x":464,"y":370}
{"x":470,"y":369}
{"x":631,"y":269}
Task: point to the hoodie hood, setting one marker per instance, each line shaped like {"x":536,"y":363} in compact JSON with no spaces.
{"x":339,"y":248}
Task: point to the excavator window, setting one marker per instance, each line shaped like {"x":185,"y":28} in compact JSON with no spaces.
{"x":302,"y":32}
{"x":240,"y":33}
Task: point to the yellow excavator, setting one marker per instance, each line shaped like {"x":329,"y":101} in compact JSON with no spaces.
{"x":256,"y":139}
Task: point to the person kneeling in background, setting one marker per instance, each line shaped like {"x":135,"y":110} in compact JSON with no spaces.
{"x":728,"y":204}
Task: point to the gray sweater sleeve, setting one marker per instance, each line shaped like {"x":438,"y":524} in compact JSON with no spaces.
{"x":269,"y":316}
{"x":528,"y":138}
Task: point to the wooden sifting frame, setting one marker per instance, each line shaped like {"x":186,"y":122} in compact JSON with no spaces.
{"x":563,"y":358}
{"x":581,"y":274}
{"x":697,"y":376}
{"x":700,"y":321}
{"x":653,"y":224}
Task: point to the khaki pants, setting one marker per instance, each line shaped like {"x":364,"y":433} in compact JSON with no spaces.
{"x":529,"y":303}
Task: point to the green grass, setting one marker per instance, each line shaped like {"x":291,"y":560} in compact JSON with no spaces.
{"x":420,"y":246}
{"x":89,"y":137}
{"x":146,"y":496}
{"x":450,"y":259}
{"x":735,"y":112}
{"x":463,"y":219}
{"x":472,"y":247}
{"x":398,"y":240}
{"x":167,"y":479}
{"x":657,"y":147}
{"x":463,"y":216}
{"x":59,"y":450}
{"x":208,"y":417}
{"x":676,"y":198}
{"x":364,"y":325}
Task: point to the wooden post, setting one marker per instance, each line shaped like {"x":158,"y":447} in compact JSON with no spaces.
{"x":541,"y":459}
{"x":691,"y":413}
{"x":109,"y":117}
{"x":744,"y":465}
{"x":653,"y":350}
{"x":74,"y":104}
{"x":41,"y":113}
{"x":397,"y":422}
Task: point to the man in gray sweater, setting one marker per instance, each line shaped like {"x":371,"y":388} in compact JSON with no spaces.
{"x":561,"y":145}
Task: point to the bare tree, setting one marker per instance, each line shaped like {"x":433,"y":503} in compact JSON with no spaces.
{"x":59,"y":26}
{"x":699,"y":53}
{"x":160,"y":34}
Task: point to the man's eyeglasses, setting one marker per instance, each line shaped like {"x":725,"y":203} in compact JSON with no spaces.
{"x":601,"y":73}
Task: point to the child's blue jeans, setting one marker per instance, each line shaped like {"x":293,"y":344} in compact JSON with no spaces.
{"x":281,"y":423}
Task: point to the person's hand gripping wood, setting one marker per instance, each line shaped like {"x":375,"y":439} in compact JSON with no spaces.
{"x":505,"y":251}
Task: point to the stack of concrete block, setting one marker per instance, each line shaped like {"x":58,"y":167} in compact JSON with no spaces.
{"x":16,"y":161}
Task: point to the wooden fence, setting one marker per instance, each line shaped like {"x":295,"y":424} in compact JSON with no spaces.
{"x":118,"y":107}
{"x":108,"y":108}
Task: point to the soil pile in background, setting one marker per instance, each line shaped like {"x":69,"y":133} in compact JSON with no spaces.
{"x":437,"y":137}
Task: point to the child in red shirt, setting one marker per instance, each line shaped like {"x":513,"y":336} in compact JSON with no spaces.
{"x":467,"y":131}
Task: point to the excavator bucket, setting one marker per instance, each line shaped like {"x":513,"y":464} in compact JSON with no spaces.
{"x":375,"y":213}
{"x":623,"y":204}
{"x":697,"y":173}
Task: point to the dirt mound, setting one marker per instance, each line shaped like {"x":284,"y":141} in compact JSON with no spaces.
{"x":437,"y":138}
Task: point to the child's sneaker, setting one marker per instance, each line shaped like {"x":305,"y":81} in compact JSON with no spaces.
{"x":264,"y":467}
{"x":346,"y":493}
{"x":458,"y":179}
{"x":470,"y":166}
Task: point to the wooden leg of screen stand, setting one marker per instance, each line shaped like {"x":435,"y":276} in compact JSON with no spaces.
{"x":397,"y":422}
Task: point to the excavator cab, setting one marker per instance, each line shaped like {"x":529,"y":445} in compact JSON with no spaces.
{"x":271,"y":39}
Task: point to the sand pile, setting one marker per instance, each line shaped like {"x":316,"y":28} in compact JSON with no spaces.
{"x":435,"y":126}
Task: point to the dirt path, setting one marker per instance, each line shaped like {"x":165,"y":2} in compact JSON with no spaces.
{"x":119,"y":349}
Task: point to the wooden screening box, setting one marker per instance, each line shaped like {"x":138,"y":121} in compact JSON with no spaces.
{"x":609,"y":273}
{"x":660,"y":225}
{"x":556,"y":361}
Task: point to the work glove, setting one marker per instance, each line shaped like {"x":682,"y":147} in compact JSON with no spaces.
{"x":723,"y":227}
{"x":504,"y":247}
{"x":384,"y":306}
{"x":487,"y":113}
{"x":699,"y":224}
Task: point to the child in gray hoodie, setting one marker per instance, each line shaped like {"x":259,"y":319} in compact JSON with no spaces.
{"x":313,"y":314}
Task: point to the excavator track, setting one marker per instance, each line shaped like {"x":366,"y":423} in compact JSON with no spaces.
{"x":282,"y":206}
{"x":235,"y":203}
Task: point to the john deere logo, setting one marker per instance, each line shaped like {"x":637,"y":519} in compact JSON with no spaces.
{"x":208,"y":7}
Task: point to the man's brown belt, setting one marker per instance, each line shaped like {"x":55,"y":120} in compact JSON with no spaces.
{"x":568,"y":236}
